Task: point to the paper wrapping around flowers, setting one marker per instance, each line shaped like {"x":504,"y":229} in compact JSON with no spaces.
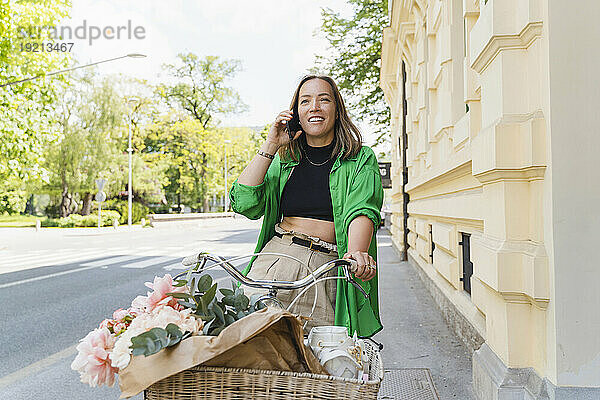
{"x":269,"y":339}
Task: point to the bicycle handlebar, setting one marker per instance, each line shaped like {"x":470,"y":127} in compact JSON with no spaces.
{"x":350,"y":266}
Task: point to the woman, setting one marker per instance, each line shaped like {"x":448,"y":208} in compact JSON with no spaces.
{"x":320,"y":195}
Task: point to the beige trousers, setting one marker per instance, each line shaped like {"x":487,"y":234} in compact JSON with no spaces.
{"x":270,"y":267}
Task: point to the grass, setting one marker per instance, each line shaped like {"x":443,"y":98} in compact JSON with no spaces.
{"x":18,"y":221}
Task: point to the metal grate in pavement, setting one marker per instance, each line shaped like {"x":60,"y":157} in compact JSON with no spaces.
{"x":407,"y":384}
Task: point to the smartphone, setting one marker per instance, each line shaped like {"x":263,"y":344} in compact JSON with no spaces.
{"x":293,"y":126}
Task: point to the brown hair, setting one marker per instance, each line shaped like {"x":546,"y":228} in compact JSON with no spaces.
{"x":346,"y":133}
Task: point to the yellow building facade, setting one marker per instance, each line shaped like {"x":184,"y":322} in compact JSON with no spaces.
{"x":496,"y":186}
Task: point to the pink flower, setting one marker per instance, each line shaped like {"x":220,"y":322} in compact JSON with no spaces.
{"x":161,"y":316}
{"x":120,"y":314}
{"x":92,"y":361}
{"x":140,"y":303}
{"x":107,"y":323}
{"x":119,"y":327}
{"x":132,"y":312}
{"x":160,"y":287}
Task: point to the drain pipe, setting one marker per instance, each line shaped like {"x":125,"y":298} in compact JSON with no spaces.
{"x":404,"y":145}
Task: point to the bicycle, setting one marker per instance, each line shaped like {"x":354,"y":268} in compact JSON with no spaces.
{"x":228,"y":381}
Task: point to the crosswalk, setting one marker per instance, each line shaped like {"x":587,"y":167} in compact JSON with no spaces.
{"x":125,"y":257}
{"x":121,"y":256}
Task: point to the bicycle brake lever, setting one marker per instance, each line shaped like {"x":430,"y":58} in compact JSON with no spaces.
{"x":355,"y":284}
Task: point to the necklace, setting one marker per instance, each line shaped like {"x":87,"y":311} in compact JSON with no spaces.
{"x":317,"y":164}
{"x":313,"y":163}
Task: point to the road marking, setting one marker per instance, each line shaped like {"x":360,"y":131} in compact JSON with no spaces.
{"x":53,"y":258}
{"x":109,"y":261}
{"x":26,"y":256}
{"x":44,"y":261}
{"x":37,"y":366}
{"x":39,"y":278}
{"x":175,"y":266}
{"x":147,"y":263}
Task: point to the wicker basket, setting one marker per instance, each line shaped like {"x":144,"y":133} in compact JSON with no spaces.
{"x":234,"y":383}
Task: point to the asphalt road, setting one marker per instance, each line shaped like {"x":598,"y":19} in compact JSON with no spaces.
{"x":56,"y":285}
{"x":46,"y":310}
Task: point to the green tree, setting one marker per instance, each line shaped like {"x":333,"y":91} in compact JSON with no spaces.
{"x":186,"y":147}
{"x":93,"y":143}
{"x":354,"y":59}
{"x":92,"y":121}
{"x":201,"y":89}
{"x":26,"y":109}
{"x":201,"y":93}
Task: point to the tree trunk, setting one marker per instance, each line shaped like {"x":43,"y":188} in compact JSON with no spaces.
{"x":86,"y":207}
{"x":65,"y":202}
{"x":29,"y":207}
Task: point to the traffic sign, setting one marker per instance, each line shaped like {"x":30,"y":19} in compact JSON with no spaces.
{"x":100,"y":196}
{"x":100,"y":183}
{"x":385,"y":170}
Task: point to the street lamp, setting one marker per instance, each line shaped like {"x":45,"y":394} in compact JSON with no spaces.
{"x":132,"y":55}
{"x":226,"y":197}
{"x":131,"y":101}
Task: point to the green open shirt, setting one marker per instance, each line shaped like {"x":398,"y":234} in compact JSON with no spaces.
{"x":355,"y":186}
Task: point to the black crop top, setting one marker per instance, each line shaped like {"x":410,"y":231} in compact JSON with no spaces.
{"x":306,"y":192}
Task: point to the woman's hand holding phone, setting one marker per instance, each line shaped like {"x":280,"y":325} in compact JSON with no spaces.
{"x":279,"y":133}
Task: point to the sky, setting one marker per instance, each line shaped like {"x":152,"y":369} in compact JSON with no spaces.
{"x":275,"y":40}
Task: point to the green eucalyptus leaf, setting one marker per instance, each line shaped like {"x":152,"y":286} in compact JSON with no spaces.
{"x":174,"y":334}
{"x":204,"y":283}
{"x":226,"y":292}
{"x":151,"y":346}
{"x":138,"y":345}
{"x":184,"y":296}
{"x":187,"y":304}
{"x":180,"y":283}
{"x":218,"y":312}
{"x":207,"y":326}
{"x":173,"y":330}
{"x":193,"y":287}
{"x":241,"y":303}
{"x":229,"y":319}
{"x":209,"y":295}
{"x":160,"y":336}
{"x":208,"y":316}
{"x":228,"y":300}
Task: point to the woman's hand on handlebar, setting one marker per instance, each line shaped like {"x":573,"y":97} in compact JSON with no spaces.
{"x":366,"y":269}
{"x":278,"y":133}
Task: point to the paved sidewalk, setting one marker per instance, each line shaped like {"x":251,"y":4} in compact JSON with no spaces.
{"x":415,"y":335}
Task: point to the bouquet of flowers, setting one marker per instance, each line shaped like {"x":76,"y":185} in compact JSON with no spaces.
{"x":171,"y":312}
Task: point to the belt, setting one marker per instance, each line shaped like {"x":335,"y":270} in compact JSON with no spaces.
{"x":307,"y":243}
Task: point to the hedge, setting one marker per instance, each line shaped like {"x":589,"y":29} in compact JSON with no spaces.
{"x":76,"y":220}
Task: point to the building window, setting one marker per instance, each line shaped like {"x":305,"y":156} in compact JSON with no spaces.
{"x":467,"y":265}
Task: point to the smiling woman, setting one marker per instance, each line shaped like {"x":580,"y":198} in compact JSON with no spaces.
{"x":320,"y":196}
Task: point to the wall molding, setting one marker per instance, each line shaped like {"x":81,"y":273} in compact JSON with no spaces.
{"x":498,"y":43}
{"x":527,"y":174}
